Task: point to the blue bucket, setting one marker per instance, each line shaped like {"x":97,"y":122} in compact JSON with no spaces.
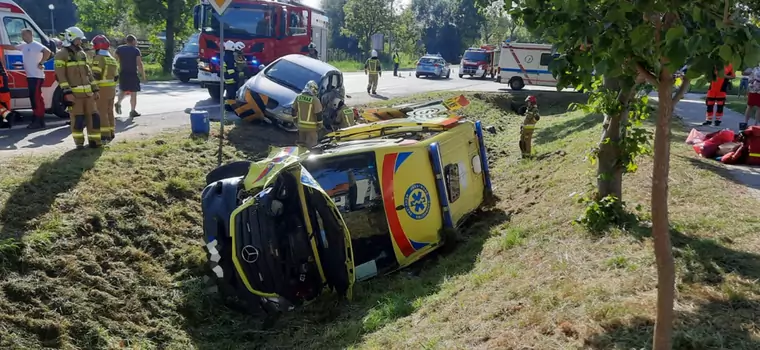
{"x":199,"y":122}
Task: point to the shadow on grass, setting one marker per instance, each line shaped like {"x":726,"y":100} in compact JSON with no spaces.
{"x":34,"y":197}
{"x":715,"y":324}
{"x":751,"y":173}
{"x":254,"y":139}
{"x":333,"y":324}
{"x":559,"y":131}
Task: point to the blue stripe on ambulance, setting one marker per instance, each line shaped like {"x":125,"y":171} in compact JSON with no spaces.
{"x":11,"y":59}
{"x":443,"y":191}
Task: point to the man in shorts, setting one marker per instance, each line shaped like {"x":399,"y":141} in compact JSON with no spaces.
{"x":753,"y":95}
{"x":130,"y":63}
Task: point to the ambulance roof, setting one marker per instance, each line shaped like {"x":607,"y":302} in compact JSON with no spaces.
{"x":507,"y":44}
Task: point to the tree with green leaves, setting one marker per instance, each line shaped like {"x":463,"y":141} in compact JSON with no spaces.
{"x":101,"y":15}
{"x":365,"y":18}
{"x":407,"y":33}
{"x":625,"y":44}
{"x":173,"y":15}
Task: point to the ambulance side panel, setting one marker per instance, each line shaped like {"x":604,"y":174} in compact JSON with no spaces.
{"x":529,"y":62}
{"x":410,"y":201}
{"x":10,"y":34}
{"x":460,"y":158}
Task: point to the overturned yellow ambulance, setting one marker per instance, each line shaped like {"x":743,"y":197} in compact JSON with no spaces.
{"x":375,"y":198}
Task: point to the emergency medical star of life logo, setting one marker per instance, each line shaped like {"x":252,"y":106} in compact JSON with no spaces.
{"x":417,"y":201}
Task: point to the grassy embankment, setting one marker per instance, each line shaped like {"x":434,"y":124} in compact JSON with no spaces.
{"x":102,"y":249}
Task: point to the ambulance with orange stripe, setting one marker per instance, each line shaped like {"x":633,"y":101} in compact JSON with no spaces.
{"x":375,"y":199}
{"x":526,"y":64}
{"x":14,"y":19}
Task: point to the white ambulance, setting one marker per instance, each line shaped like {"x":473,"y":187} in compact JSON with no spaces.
{"x":14,"y":19}
{"x":526,"y":64}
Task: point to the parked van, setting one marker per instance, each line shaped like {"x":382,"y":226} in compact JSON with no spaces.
{"x":14,"y":19}
{"x":526,"y":64}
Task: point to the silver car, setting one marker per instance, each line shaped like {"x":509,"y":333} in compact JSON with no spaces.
{"x":277,"y":85}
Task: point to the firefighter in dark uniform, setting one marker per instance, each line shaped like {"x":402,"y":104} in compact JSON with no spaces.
{"x":241,"y":65}
{"x":716,"y":95}
{"x":80,"y":91}
{"x":308,"y":111}
{"x":528,"y":126}
{"x":230,"y":77}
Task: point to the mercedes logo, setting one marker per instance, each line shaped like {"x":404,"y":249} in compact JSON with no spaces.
{"x":250,"y":254}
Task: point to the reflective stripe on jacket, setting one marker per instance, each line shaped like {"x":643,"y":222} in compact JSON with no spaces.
{"x":73,"y":73}
{"x":306,"y":108}
{"x":104,"y":70}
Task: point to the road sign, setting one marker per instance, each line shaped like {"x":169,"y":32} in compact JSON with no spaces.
{"x":220,"y":5}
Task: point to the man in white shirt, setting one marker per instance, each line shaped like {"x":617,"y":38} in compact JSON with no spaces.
{"x":34,"y":56}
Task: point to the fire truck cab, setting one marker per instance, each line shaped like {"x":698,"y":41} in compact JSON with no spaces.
{"x":480,"y":62}
{"x":14,"y":19}
{"x":269,"y":30}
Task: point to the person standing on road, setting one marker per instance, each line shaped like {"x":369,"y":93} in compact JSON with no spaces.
{"x":34,"y":57}
{"x":753,"y":95}
{"x":716,"y":95}
{"x":80,"y":90}
{"x":130,"y":63}
{"x":395,"y":63}
{"x":373,"y":69}
{"x":104,"y":70}
{"x":308,"y":110}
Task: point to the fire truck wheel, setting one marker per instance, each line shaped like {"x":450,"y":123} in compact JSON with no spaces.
{"x":516,"y":84}
{"x":57,"y":106}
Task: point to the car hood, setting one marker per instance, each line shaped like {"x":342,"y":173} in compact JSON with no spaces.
{"x":338,"y":266}
{"x":186,"y":55}
{"x":262,"y":85}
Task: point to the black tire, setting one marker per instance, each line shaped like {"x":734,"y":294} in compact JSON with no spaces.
{"x":213,"y":91}
{"x":448,"y":75}
{"x":57,"y":106}
{"x":461,"y":76}
{"x":417,"y":75}
{"x":516,"y":84}
{"x":184,"y":79}
{"x":229,"y":170}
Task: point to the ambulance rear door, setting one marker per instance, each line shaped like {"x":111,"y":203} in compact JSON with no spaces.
{"x":13,"y":22}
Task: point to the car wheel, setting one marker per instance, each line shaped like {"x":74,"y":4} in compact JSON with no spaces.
{"x":57,"y":106}
{"x":214,"y":92}
{"x":229,"y":170}
{"x":448,"y":74}
{"x":516,"y":84}
{"x":184,"y":79}
{"x":416,"y":75}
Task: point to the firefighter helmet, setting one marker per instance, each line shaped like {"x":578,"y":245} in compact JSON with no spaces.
{"x":100,"y":42}
{"x":531,"y":100}
{"x":239,"y":46}
{"x":374,"y":53}
{"x":312,"y":46}
{"x":311,"y":88}
{"x":229,"y":45}
{"x":71,"y":34}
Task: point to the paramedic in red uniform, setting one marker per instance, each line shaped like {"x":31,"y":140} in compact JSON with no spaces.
{"x":717,"y":96}
{"x":34,"y":56}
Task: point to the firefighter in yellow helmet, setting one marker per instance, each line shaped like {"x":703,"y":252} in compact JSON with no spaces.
{"x":528,"y":125}
{"x":80,"y":90}
{"x":373,"y":69}
{"x":308,"y":111}
{"x":104,"y":69}
{"x":344,"y":116}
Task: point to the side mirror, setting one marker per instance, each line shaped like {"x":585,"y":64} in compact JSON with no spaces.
{"x":197,"y":16}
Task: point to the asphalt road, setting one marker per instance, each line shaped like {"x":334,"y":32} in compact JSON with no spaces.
{"x":164,"y":106}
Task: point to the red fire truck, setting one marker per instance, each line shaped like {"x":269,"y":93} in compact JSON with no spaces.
{"x":480,"y":62}
{"x":269,"y":30}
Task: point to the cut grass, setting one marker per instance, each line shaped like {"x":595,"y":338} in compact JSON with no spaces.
{"x":103,"y":250}
{"x":155,"y":72}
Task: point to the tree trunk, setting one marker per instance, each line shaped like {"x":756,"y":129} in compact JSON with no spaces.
{"x":660,"y":223}
{"x":609,"y":171}
{"x":171,"y":18}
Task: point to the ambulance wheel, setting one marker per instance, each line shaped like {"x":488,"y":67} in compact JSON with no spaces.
{"x":516,"y":84}
{"x":57,"y":106}
{"x":213,"y":91}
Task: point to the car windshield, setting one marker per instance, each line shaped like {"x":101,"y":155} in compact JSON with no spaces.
{"x":428,"y":60}
{"x":291,"y":75}
{"x":191,"y":46}
{"x":241,"y":23}
{"x":475,"y":56}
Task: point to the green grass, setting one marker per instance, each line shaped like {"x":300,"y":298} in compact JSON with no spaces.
{"x":102,"y":249}
{"x":154,"y":72}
